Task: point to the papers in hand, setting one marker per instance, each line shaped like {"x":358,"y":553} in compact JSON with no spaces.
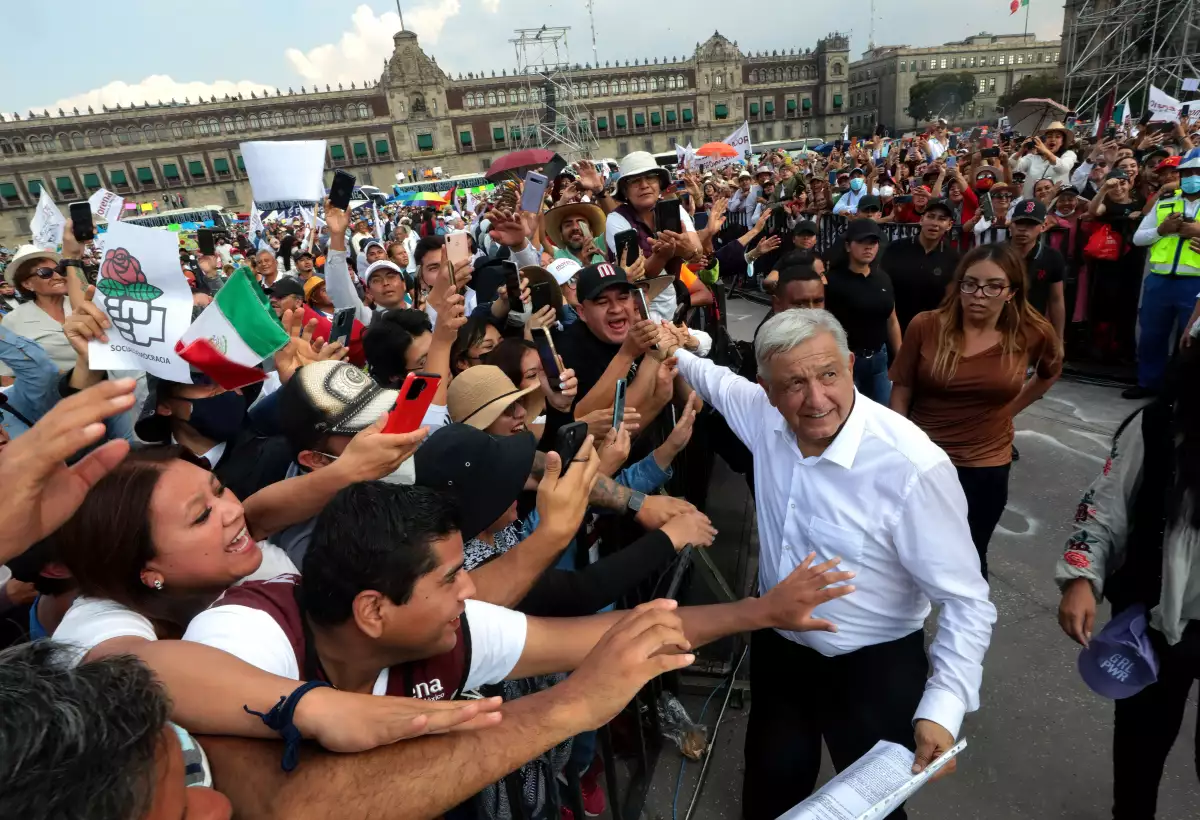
{"x":872,"y":787}
{"x":286,"y":170}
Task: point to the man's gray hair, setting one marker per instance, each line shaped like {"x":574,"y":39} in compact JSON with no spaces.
{"x":78,"y":741}
{"x":791,"y":328}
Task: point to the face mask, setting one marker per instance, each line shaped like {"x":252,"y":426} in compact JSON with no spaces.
{"x":218,"y":417}
{"x":856,"y":185}
{"x":1190,"y":185}
{"x":984,"y":184}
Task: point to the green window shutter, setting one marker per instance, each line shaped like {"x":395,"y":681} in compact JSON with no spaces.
{"x":639,"y":120}
{"x":382,"y":147}
{"x":602,"y":123}
{"x":670,"y":116}
{"x":620,"y":120}
{"x":655,"y":118}
{"x":837,"y":100}
{"x":753,"y":108}
{"x":425,"y":142}
{"x":145,"y":175}
{"x":722,"y":112}
{"x":515,"y":134}
{"x":807,"y":105}
{"x":791,"y":105}
{"x":64,"y":184}
{"x":170,"y":171}
{"x":360,"y":149}
{"x":91,"y":181}
{"x":335,"y":151}
{"x":35,"y":186}
{"x":687,"y":115}
{"x":464,"y":137}
{"x":241,"y":163}
{"x":770,"y":106}
{"x":221,"y":165}
{"x":8,"y":190}
{"x":118,"y":178}
{"x":497,"y":135}
{"x":196,"y":168}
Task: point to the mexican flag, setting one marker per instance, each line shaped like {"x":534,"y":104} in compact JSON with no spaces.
{"x":1016,"y":5}
{"x":233,"y":335}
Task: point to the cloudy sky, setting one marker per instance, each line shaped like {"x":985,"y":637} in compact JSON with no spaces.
{"x":138,"y":50}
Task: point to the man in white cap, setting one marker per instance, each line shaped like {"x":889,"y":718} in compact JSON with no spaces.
{"x":746,"y":198}
{"x":566,"y":274}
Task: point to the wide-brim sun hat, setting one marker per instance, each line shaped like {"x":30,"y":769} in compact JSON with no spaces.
{"x":479,"y":395}
{"x":24,"y":254}
{"x":1068,"y":134}
{"x":640,"y":163}
{"x":538,"y":275}
{"x":553,"y":219}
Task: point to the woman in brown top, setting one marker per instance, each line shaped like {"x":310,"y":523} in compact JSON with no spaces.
{"x":961,"y":376}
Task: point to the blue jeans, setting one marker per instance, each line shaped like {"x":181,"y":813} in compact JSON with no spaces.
{"x":1167,"y":303}
{"x":871,"y":375}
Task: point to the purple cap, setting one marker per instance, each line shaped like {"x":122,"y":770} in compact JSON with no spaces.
{"x":1120,"y":661}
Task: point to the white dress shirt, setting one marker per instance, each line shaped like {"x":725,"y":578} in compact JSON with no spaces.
{"x":887,"y":501}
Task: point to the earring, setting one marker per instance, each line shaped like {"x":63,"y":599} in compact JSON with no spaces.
{"x":158,"y":584}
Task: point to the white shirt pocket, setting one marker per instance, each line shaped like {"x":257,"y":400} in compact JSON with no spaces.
{"x":829,"y":540}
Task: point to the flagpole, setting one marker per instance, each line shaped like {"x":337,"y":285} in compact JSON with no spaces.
{"x":1026,"y":16}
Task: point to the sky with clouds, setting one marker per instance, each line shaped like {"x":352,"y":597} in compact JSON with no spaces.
{"x":138,"y":50}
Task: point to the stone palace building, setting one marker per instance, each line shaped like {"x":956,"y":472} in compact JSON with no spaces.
{"x":414,"y":118}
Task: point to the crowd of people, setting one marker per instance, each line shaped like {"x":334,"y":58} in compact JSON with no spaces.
{"x":202,"y":586}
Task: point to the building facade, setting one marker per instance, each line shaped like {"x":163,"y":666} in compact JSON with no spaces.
{"x":415,"y":117}
{"x":881,"y":81}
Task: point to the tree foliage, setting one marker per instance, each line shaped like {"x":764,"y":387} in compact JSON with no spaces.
{"x":942,"y":96}
{"x":1043,"y":85}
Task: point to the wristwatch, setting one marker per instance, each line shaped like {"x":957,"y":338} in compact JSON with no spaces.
{"x":636,"y":500}
{"x":66,"y":263}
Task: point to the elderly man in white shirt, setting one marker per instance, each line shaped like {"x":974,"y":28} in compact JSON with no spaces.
{"x":845,"y":477}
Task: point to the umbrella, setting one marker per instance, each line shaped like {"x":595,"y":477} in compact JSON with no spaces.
{"x":518,"y":161}
{"x":716,"y":149}
{"x":1028,"y":117}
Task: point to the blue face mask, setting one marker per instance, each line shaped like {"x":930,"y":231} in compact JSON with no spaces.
{"x":218,"y":417}
{"x":1190,"y":185}
{"x":856,"y":185}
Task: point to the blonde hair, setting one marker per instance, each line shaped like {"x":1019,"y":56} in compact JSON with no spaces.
{"x":1018,"y":322}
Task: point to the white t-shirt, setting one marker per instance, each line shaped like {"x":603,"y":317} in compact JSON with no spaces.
{"x":662,"y":309}
{"x":497,"y":641}
{"x":92,"y":621}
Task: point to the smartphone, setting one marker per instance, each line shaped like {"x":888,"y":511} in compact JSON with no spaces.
{"x":1183,"y":112}
{"x":343,"y":321}
{"x":512,"y":285}
{"x":989,"y":153}
{"x":666,"y":216}
{"x":880,"y":131}
{"x":985,"y":205}
{"x":618,"y":403}
{"x":643,"y":307}
{"x":539,"y":295}
{"x":458,"y":251}
{"x":206,"y":240}
{"x":953,"y":142}
{"x":951,"y":162}
{"x":904,"y":199}
{"x":533,"y":193}
{"x":81,"y":222}
{"x":416,"y":394}
{"x":341,"y":189}
{"x":627,"y":247}
{"x":1111,"y":132}
{"x":554,"y":167}
{"x":777,"y":223}
{"x":568,"y":440}
{"x":549,"y":357}
{"x":1145,"y":120}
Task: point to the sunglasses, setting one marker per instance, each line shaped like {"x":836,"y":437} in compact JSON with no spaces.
{"x":47,"y":273}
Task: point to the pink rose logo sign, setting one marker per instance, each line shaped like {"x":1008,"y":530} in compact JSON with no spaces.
{"x":129,"y":299}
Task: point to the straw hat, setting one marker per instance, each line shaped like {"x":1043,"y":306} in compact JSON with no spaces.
{"x":480,"y":394}
{"x":538,"y":275}
{"x":26,"y":253}
{"x":554,"y":217}
{"x":1068,"y":134}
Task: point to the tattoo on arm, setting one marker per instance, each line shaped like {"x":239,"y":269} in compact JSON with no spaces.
{"x":607,"y":493}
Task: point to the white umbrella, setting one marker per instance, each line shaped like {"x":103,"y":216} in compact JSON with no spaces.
{"x":1029,"y":117}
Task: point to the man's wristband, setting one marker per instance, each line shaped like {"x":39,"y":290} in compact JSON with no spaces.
{"x":635,"y":502}
{"x":67,"y":263}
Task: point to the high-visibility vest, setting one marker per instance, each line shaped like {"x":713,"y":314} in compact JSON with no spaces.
{"x":1171,"y":253}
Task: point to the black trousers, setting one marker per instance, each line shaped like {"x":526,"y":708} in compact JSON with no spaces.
{"x":1148,"y":723}
{"x":986,"y":489}
{"x":799,"y":697}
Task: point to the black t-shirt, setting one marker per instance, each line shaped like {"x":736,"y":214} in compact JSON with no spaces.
{"x":919,"y":278}
{"x":1044,"y":266}
{"x":863,"y":304}
{"x":589,"y":356}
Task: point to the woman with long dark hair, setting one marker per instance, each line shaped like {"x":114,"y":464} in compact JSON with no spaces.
{"x":960,"y":376}
{"x":1135,"y":542}
{"x":284,"y":254}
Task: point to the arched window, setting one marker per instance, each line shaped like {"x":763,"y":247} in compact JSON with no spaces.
{"x":254,"y":121}
{"x":121,"y":136}
{"x":77,"y":141}
{"x":202,"y":127}
{"x":791,"y":72}
{"x":522,"y":95}
{"x":337,"y":114}
{"x":134,"y":135}
{"x":35,"y":145}
{"x":304,"y":116}
{"x":583,"y":90}
{"x":718,"y":80}
{"x":239,"y":122}
{"x":93,"y":139}
{"x":574,"y":89}
{"x":604,"y":88}
{"x":491,"y":98}
{"x":106,"y":138}
{"x":314,"y":116}
{"x":5,"y":148}
{"x":49,"y":143}
{"x":623,"y":85}
{"x":642,"y":84}
{"x":351,"y":112}
{"x":227,"y":125}
{"x":327,"y":114}
{"x":681,"y":82}
{"x":595,"y":89}
{"x":160,"y":132}
{"x":188,"y":131}
{"x":363,"y":112}
{"x":671,"y":82}
{"x":535,"y":94}
{"x":277,"y":119}
{"x":289,"y":117}
{"x":837,"y":69}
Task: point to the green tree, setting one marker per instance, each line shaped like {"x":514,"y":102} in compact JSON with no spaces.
{"x":941,"y":96}
{"x":1044,"y":85}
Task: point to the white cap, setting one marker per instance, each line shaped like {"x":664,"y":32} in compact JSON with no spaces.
{"x":379,"y":265}
{"x":887,"y":191}
{"x":563,"y":269}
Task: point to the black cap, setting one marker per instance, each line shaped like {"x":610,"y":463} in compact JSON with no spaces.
{"x":485,"y":472}
{"x":1116,"y":173}
{"x":1070,"y":190}
{"x":594,"y":279}
{"x":805,"y":227}
{"x":1020,"y":174}
{"x":940,"y":204}
{"x":870,"y":202}
{"x":854,"y":171}
{"x":305,"y":253}
{"x":860,"y":229}
{"x":1029,"y":210}
{"x":286,"y":286}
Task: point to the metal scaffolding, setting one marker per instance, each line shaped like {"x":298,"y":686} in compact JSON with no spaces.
{"x":1128,"y":45}
{"x":550,"y":117}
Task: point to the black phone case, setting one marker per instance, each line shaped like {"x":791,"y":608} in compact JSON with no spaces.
{"x":666,"y":216}
{"x":82,"y":226}
{"x":512,"y":286}
{"x":568,"y":440}
{"x":340,"y":332}
{"x":341,"y":190}
{"x":539,"y":296}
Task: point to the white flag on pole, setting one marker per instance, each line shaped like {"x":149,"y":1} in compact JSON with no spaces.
{"x":1162,"y":106}
{"x":378,"y":223}
{"x":48,"y":223}
{"x":740,"y":140}
{"x":256,"y":223}
{"x":106,"y":205}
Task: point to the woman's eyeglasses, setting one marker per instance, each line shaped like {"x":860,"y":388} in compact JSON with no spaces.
{"x":990,"y":289}
{"x":47,"y":273}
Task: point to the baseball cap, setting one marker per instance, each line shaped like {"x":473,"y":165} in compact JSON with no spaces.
{"x":1120,"y":661}
{"x":286,"y":286}
{"x":1070,"y":190}
{"x":479,"y":394}
{"x":330,"y":398}
{"x":861,"y":229}
{"x":381,"y":264}
{"x":1169,"y":162}
{"x":312,"y":284}
{"x":594,"y":279}
{"x":305,"y":253}
{"x":1029,"y":210}
{"x":870,"y":202}
{"x":938,"y":204}
{"x":563,"y":270}
{"x":805,"y":226}
{"x":371,"y":242}
{"x":485,"y":472}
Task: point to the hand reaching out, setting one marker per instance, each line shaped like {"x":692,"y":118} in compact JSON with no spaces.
{"x":614,"y":450}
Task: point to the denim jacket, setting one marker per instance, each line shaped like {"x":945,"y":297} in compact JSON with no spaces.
{"x":36,"y":388}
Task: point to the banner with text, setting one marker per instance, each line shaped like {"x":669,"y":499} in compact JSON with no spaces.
{"x":48,"y":223}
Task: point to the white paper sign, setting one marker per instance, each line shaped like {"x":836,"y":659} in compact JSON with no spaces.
{"x":1163,"y":107}
{"x":286,"y":170}
{"x":48,"y":223}
{"x":107,"y":205}
{"x":147,"y":298}
{"x":256,"y":222}
{"x":1192,"y":84}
